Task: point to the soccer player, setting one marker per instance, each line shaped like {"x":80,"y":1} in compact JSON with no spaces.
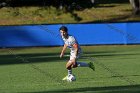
{"x":75,"y":51}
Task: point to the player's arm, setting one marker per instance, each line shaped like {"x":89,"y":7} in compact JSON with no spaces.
{"x":63,"y":50}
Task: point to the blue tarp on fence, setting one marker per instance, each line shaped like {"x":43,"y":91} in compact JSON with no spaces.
{"x":86,"y":34}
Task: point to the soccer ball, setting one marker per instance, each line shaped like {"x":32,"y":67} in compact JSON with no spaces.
{"x":71,"y":78}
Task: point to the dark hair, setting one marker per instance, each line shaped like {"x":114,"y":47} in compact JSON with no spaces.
{"x":63,"y":28}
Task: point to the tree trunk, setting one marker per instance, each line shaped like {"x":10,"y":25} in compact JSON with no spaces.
{"x":3,"y":4}
{"x":92,"y":1}
{"x":136,"y":6}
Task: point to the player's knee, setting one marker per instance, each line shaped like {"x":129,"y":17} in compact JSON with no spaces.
{"x":68,"y":67}
{"x":74,"y":65}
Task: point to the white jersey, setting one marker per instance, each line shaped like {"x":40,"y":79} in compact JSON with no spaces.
{"x":70,"y":41}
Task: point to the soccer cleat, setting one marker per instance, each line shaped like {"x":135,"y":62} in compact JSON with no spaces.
{"x":91,"y":65}
{"x":65,"y":78}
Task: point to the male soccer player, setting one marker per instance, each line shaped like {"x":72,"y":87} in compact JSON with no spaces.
{"x":75,"y":51}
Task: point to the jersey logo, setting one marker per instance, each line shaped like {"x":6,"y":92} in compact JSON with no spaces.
{"x":69,"y":46}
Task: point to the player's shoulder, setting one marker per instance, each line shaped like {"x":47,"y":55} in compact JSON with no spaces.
{"x":71,"y":37}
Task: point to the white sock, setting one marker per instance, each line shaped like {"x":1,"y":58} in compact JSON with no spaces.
{"x":82,"y":64}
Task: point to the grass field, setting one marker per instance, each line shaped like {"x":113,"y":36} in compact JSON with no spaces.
{"x":40,"y":70}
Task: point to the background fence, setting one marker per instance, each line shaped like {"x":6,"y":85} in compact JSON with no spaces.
{"x":86,"y":34}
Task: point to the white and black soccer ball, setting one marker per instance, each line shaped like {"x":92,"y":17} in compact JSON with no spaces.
{"x":71,"y":78}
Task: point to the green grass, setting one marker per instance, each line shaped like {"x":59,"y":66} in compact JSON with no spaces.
{"x":40,"y":70}
{"x":51,"y":15}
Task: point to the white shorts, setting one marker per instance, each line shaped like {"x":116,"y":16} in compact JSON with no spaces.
{"x":72,"y":56}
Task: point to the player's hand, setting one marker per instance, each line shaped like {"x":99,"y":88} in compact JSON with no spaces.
{"x":61,"y":55}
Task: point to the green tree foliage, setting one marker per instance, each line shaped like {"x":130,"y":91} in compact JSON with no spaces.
{"x":58,"y":3}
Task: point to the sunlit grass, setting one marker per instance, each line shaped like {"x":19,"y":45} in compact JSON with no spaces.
{"x":45,"y":15}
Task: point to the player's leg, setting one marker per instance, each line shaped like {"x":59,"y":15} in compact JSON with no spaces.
{"x":84,"y":64}
{"x":74,"y":64}
{"x":69,"y":68}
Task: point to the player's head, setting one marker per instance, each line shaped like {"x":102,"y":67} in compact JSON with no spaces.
{"x":64,"y":31}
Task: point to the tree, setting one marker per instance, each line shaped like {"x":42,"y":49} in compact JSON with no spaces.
{"x":3,"y":4}
{"x":136,"y":6}
{"x":92,"y":1}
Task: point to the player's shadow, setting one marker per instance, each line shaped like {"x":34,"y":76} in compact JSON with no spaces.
{"x":116,"y":18}
{"x":108,"y":89}
{"x":125,"y":76}
{"x":106,"y":54}
{"x":29,"y":58}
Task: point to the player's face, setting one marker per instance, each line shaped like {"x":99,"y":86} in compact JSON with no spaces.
{"x":63,"y":33}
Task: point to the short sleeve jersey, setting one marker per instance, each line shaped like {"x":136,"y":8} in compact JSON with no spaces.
{"x":70,"y":41}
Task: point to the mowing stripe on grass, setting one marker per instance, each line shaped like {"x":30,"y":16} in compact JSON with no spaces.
{"x":24,"y":60}
{"x":113,"y":73}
